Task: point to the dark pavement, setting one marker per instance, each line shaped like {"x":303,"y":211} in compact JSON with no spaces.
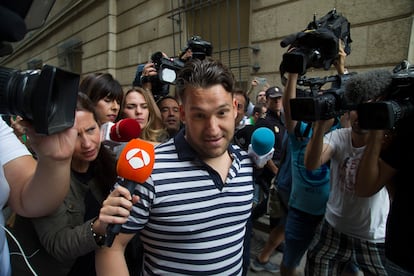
{"x":259,"y":238}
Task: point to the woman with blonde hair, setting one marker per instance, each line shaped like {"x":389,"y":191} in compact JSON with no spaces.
{"x":140,"y":105}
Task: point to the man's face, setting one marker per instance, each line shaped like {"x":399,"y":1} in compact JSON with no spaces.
{"x":209,"y":117}
{"x":274,"y":104}
{"x":261,"y":97}
{"x":353,"y":119}
{"x":170,"y":113}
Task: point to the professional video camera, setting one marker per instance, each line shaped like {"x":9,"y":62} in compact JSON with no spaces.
{"x":46,"y":97}
{"x":167,"y":68}
{"x":316,"y":46}
{"x":315,"y":104}
{"x":397,"y":103}
{"x":199,"y":48}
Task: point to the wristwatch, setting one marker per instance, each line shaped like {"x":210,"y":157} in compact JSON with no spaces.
{"x":99,"y":239}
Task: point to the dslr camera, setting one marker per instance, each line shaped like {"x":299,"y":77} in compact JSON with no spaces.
{"x":316,"y":46}
{"x":47,"y":96}
{"x":397,"y":103}
{"x":314,"y":104}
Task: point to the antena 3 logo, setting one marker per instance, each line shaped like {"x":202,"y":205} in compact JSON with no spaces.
{"x":138,"y":158}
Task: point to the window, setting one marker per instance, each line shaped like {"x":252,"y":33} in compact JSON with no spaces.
{"x":224,"y":23}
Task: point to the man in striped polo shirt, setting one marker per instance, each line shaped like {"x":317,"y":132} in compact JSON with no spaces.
{"x":192,"y":212}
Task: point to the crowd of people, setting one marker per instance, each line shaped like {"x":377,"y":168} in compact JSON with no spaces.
{"x":340,"y":188}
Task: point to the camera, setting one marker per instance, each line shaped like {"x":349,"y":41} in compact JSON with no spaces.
{"x":316,"y":46}
{"x":397,"y":102}
{"x":314,"y":104}
{"x":199,"y":48}
{"x":167,"y":68}
{"x":47,"y":96}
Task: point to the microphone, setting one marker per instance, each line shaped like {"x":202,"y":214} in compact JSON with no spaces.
{"x":366,"y":86}
{"x":134,"y":166}
{"x":112,"y":134}
{"x":261,"y":147}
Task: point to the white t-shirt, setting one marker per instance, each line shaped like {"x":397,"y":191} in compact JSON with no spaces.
{"x":360,"y":217}
{"x":10,"y":148}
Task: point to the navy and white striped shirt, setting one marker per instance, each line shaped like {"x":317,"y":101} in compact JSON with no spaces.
{"x":192,"y":222}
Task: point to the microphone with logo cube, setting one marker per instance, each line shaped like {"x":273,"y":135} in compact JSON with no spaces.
{"x":134,"y":166}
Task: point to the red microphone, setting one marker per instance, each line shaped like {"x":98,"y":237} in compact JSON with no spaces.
{"x":134,"y":166}
{"x":125,"y":130}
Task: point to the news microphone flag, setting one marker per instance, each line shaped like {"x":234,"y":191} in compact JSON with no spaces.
{"x":261,"y":147}
{"x":134,"y":166}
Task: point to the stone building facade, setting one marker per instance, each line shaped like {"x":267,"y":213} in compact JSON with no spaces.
{"x":115,"y":36}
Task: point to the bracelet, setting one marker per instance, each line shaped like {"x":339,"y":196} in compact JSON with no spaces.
{"x":99,"y":239}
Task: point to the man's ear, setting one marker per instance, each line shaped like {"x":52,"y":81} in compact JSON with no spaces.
{"x":182,"y":113}
{"x":235,"y":103}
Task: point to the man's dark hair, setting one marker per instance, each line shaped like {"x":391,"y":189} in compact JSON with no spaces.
{"x":258,"y":108}
{"x":204,"y":74}
{"x":166,"y":97}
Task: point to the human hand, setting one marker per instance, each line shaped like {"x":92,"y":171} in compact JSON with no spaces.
{"x":117,"y":206}
{"x":254,"y":83}
{"x":18,"y":128}
{"x":149,"y":70}
{"x":186,"y":55}
{"x":57,"y":147}
{"x":340,"y":60}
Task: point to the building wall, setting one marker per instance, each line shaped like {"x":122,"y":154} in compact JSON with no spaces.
{"x":116,"y":35}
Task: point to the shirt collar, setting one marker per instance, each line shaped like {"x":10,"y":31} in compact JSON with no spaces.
{"x":184,"y":150}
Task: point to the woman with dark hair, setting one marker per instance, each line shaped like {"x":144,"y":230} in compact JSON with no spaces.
{"x":66,"y":239}
{"x":105,"y":93}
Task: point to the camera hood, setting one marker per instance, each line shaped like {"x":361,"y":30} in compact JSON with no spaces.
{"x":46,"y":97}
{"x":54,"y":100}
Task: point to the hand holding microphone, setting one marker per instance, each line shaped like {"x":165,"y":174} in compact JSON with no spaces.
{"x":125,"y":130}
{"x":261,"y":147}
{"x":134,"y":167}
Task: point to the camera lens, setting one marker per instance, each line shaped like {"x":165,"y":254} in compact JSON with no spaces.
{"x":15,"y":91}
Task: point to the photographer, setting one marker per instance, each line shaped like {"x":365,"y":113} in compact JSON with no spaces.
{"x":161,"y":71}
{"x":352,"y":232}
{"x":388,"y":163}
{"x":308,"y":190}
{"x":149,"y":80}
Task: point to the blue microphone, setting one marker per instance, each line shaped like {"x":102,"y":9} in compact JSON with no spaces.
{"x":261,"y":147}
